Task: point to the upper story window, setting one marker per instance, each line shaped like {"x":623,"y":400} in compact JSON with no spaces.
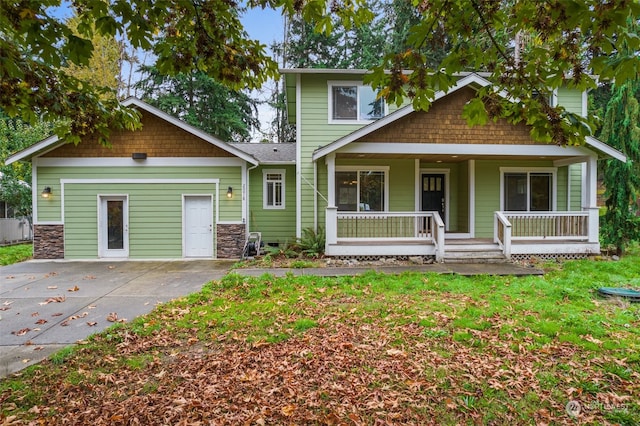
{"x":352,"y":102}
{"x":273,"y":189}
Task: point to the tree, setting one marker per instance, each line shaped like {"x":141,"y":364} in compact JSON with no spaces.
{"x":200,"y":101}
{"x":574,"y":40}
{"x":15,"y":179}
{"x":621,"y":130}
{"x":571,"y":42}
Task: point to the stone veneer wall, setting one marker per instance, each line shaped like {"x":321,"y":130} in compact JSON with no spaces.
{"x":48,"y":241}
{"x":230,"y":240}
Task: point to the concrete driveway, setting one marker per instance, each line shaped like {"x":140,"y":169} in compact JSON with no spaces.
{"x":46,"y":306}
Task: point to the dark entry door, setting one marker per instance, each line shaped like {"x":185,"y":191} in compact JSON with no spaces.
{"x":433,"y":193}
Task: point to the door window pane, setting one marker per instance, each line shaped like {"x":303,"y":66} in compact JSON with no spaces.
{"x":115,"y":224}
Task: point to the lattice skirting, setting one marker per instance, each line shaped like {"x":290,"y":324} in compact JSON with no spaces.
{"x":377,"y":258}
{"x":548,"y":256}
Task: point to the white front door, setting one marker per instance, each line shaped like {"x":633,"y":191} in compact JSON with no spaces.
{"x":113,"y":226}
{"x":198,"y":226}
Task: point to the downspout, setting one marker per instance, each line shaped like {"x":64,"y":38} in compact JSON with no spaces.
{"x":248,"y":203}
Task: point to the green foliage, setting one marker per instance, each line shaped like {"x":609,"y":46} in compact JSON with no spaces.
{"x":559,"y":44}
{"x":312,"y":243}
{"x":15,"y":254}
{"x":200,"y":101}
{"x":621,"y":222}
{"x":15,"y":179}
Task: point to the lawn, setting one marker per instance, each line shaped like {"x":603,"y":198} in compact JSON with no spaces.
{"x":15,"y":254}
{"x":373,"y":349}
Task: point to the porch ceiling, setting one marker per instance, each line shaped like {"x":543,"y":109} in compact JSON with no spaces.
{"x":449,"y":158}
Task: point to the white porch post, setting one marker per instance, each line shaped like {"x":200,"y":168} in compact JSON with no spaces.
{"x":590,"y":199}
{"x":331,"y":213}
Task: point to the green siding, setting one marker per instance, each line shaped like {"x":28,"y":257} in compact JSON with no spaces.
{"x":315,"y":131}
{"x":561,"y":185}
{"x":487,"y":201}
{"x":275,"y":225}
{"x":155,"y":218}
{"x":575,"y":172}
{"x":571,"y":99}
{"x":155,"y":209}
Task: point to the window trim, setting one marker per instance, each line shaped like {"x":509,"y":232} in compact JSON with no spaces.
{"x":528,"y":170}
{"x":265,"y":181}
{"x":358,"y":84}
{"x":358,"y":169}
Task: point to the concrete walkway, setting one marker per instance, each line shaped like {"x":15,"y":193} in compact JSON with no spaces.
{"x":46,"y":306}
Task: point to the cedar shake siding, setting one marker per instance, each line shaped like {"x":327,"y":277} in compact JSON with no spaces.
{"x":444,"y":124}
{"x":158,"y":138}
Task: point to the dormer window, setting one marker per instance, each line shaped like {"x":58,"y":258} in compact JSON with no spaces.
{"x":353,"y":103}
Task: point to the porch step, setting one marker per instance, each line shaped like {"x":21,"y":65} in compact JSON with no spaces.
{"x":476,"y":253}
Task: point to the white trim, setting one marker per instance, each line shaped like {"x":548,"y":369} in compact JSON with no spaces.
{"x":129,"y":162}
{"x":568,"y":188}
{"x":554,"y":97}
{"x":528,"y":170}
{"x":464,"y":149}
{"x":472,"y":198}
{"x":585,"y":104}
{"x":447,"y":175}
{"x":315,"y":196}
{"x":230,"y":222}
{"x":265,"y":198}
{"x":606,"y":149}
{"x":583,"y":185}
{"x":358,"y":84}
{"x":298,"y":156}
{"x":569,"y":161}
{"x":43,"y":144}
{"x":34,"y":195}
{"x":417,"y":198}
{"x":50,"y":222}
{"x":245,"y":192}
{"x":363,"y":168}
{"x":130,"y":180}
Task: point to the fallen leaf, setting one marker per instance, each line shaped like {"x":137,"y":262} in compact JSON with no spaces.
{"x":288,"y":410}
{"x":52,"y":287}
{"x":57,"y":314}
{"x":58,"y":299}
{"x":89,"y":277}
{"x":112,"y":317}
{"x":21,"y":332}
{"x":34,"y":314}
{"x":38,"y":348}
{"x":26,"y":360}
{"x":42,"y":321}
{"x":91,"y":323}
{"x":74,"y":288}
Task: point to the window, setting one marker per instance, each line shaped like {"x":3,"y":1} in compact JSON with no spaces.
{"x":361,"y":190}
{"x":273,"y":189}
{"x":528,"y":191}
{"x":353,"y":102}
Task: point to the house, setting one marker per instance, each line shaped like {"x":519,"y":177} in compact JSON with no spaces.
{"x":406,"y":182}
{"x":383,"y":181}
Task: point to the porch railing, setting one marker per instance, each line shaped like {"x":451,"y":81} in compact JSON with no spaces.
{"x":502,"y":233}
{"x":417,"y":227}
{"x":548,"y":225}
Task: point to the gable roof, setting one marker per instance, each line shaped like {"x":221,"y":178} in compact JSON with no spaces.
{"x":54,"y":141}
{"x":472,"y":80}
{"x":270,"y":153}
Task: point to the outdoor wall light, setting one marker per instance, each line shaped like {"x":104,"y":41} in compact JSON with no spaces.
{"x":46,"y":192}
{"x":230,"y":192}
{"x":139,"y":155}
